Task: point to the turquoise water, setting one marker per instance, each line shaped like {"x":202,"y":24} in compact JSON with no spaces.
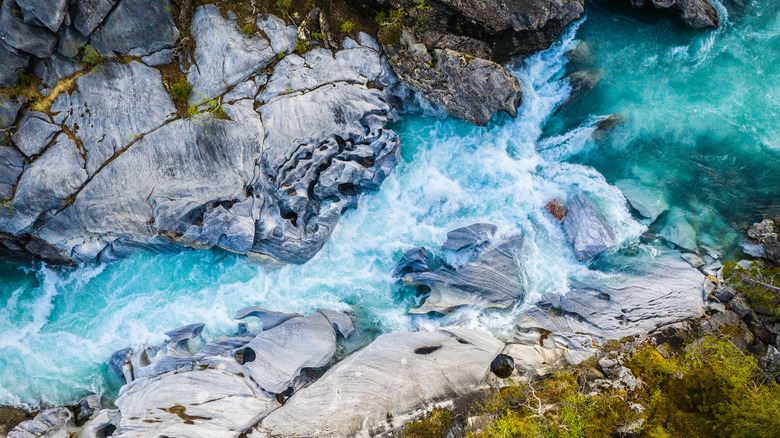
{"x":700,"y":124}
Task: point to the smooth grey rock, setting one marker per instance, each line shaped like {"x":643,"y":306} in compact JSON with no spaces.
{"x":678,"y":231}
{"x":283,"y":37}
{"x":223,"y":228}
{"x":224,"y":55}
{"x":376,"y":388}
{"x":52,"y":69}
{"x":469,"y":237}
{"x":414,"y":260}
{"x":41,"y":192}
{"x":636,"y":296}
{"x":71,"y":41}
{"x":753,"y":250}
{"x":103,"y":425}
{"x":648,"y":201}
{"x":216,"y":402}
{"x":342,"y":322}
{"x":88,"y":14}
{"x":269,"y":318}
{"x":184,"y":334}
{"x":49,"y":13}
{"x":139,"y":27}
{"x":11,"y":166}
{"x":245,"y":90}
{"x":9,"y":109}
{"x":14,"y":62}
{"x":35,"y":133}
{"x":536,"y":360}
{"x":284,"y":351}
{"x":113,"y":106}
{"x":693,"y":259}
{"x":470,"y":88}
{"x":586,"y":230}
{"x":34,"y":40}
{"x":492,"y":280}
{"x":52,"y":423}
{"x":162,"y":57}
{"x":698,"y":14}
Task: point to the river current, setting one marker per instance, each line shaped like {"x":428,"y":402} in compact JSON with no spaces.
{"x":698,"y":125}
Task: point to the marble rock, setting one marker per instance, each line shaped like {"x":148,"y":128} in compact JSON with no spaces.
{"x":216,"y":402}
{"x":341,"y":321}
{"x":139,"y":27}
{"x":629,"y":297}
{"x":678,"y":231}
{"x":35,"y":132}
{"x":9,"y":110}
{"x":103,"y":425}
{"x":648,"y":201}
{"x":698,"y":14}
{"x":14,"y":62}
{"x":49,"y":13}
{"x":88,"y":14}
{"x":224,"y":55}
{"x":415,"y":260}
{"x":52,"y":69}
{"x":52,"y":423}
{"x":22,"y":36}
{"x":379,"y":386}
{"x":492,"y":280}
{"x":283,"y":37}
{"x":11,"y":167}
{"x":587,"y":232}
{"x":282,"y":352}
{"x":269,"y":318}
{"x":470,"y":237}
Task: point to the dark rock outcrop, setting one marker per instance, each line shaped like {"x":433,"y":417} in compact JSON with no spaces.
{"x":699,"y":14}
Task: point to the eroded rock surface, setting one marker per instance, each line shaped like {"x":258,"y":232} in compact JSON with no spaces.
{"x":696,"y":13}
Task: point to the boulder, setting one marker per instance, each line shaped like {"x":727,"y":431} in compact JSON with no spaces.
{"x":283,"y":38}
{"x":22,"y":36}
{"x":71,"y":41}
{"x":14,"y":62}
{"x":635,"y":296}
{"x":342,"y":322}
{"x":49,"y":13}
{"x":52,"y":423}
{"x":698,"y":14}
{"x":414,"y":260}
{"x":470,"y":88}
{"x":9,"y":110}
{"x":88,"y":14}
{"x":224,"y":55}
{"x":217,"y":402}
{"x":103,"y":425}
{"x":678,"y":231}
{"x":556,"y":210}
{"x":282,"y":352}
{"x":40,"y":192}
{"x":492,"y":280}
{"x":376,"y":388}
{"x":586,"y":230}
{"x":139,"y":27}
{"x":470,"y":237}
{"x":270,"y":319}
{"x":35,"y":132}
{"x":114,"y":106}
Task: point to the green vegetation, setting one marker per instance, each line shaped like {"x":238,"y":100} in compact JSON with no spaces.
{"x":302,"y":46}
{"x":760,"y":283}
{"x":180,"y":91}
{"x":90,"y":57}
{"x":249,"y":29}
{"x":435,"y":424}
{"x":206,"y":108}
{"x":347,"y":27}
{"x":708,"y":389}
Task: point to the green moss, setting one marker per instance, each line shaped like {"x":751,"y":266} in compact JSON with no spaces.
{"x":180,"y":91}
{"x":302,"y":46}
{"x":249,"y":29}
{"x":347,"y":27}
{"x":90,"y":57}
{"x":433,"y":425}
{"x":759,"y":282}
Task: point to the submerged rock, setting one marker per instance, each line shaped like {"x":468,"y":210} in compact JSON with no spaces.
{"x":648,"y":201}
{"x":678,"y":231}
{"x":586,"y":230}
{"x":696,"y":13}
{"x":375,"y":388}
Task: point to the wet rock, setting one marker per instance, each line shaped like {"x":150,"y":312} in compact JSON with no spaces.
{"x":283,"y":351}
{"x":414,"y":260}
{"x":502,"y":366}
{"x":342,"y":322}
{"x":283,"y":37}
{"x":585,"y":230}
{"x":113,"y":106}
{"x":49,"y":13}
{"x":581,"y":82}
{"x":88,"y":14}
{"x":637,"y":296}
{"x":88,"y":407}
{"x":211,"y":402}
{"x":14,"y":62}
{"x":470,"y":237}
{"x":226,"y":229}
{"x":50,"y":423}
{"x":470,"y":88}
{"x":693,"y":259}
{"x":557,"y":210}
{"x":22,"y":36}
{"x":270,"y":319}
{"x":648,"y":201}
{"x":139,"y":27}
{"x":492,"y":280}
{"x":224,"y":55}
{"x":393,"y":376}
{"x":696,"y":13}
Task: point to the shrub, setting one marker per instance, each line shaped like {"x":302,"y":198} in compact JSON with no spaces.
{"x":433,"y":425}
{"x":759,"y":282}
